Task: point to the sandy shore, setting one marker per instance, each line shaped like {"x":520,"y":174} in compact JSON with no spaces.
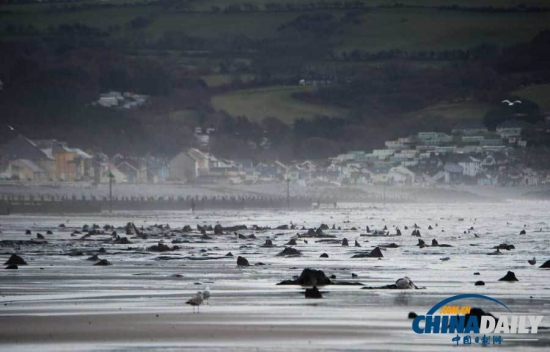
{"x":185,"y":329}
{"x":61,"y":301}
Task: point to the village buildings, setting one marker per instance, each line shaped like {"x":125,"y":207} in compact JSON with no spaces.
{"x":469,"y":155}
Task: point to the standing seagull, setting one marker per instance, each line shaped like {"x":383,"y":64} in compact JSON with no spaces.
{"x":206,"y":294}
{"x":196,"y":301}
{"x":532,"y":261}
{"x":511,"y":103}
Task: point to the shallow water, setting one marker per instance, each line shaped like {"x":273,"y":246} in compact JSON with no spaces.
{"x":137,"y":283}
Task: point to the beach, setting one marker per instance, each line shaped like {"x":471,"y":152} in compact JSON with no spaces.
{"x":61,"y":301}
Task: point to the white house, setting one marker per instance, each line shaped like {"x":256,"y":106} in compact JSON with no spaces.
{"x":383,"y":153}
{"x":188,"y":165}
{"x":396,"y":145}
{"x":401,"y":175}
{"x":433,"y":138}
{"x":470,"y":128}
{"x":470,"y":165}
{"x":511,"y":128}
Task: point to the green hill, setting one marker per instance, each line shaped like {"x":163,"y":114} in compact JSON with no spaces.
{"x":372,"y":30}
{"x":272,"y":102}
{"x":540,"y":94}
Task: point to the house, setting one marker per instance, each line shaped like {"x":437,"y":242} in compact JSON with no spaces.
{"x":126,"y":100}
{"x":383,"y":154}
{"x":433,"y":138}
{"x":470,"y":165}
{"x":489,"y":161}
{"x":469,"y":128}
{"x":135,"y":168}
{"x":26,"y":170}
{"x":83,"y":165}
{"x":130,"y":170}
{"x":272,"y":171}
{"x":25,"y":149}
{"x":487,"y":179}
{"x":401,"y":175}
{"x":204,"y":160}
{"x":117,"y":176}
{"x":157,"y":170}
{"x":184,"y":167}
{"x":100,"y":166}
{"x":66,"y":163}
{"x":379,"y":173}
{"x":453,"y":173}
{"x":110,"y":99}
{"x":511,"y":128}
{"x":396,"y":145}
{"x":429,"y":161}
{"x":529,"y":177}
{"x":245,"y":165}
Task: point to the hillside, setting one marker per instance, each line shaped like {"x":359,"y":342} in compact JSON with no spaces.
{"x":272,"y":102}
{"x":539,"y":94}
{"x":372,"y":30}
{"x":390,"y":67}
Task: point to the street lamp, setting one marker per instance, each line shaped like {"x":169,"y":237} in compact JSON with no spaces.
{"x":111,"y":176}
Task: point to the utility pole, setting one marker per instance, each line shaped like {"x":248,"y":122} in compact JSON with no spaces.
{"x":288,"y":192}
{"x":111,"y":176}
{"x":385,"y":181}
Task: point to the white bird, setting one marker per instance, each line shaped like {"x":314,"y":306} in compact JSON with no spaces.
{"x":532,"y":261}
{"x":206,"y":294}
{"x":511,"y":103}
{"x":196,"y":301}
{"x":404,"y":283}
{"x":11,"y":128}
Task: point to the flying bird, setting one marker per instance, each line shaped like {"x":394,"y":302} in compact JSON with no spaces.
{"x":532,"y":261}
{"x":196,"y":301}
{"x":11,"y":128}
{"x":511,"y":103}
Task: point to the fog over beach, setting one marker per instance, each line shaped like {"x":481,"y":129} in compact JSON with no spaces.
{"x":351,"y":193}
{"x":61,"y":301}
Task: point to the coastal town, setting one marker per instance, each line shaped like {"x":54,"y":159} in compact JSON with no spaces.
{"x":469,"y":155}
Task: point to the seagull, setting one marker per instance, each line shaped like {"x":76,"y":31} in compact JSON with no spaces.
{"x":404,"y":283}
{"x":532,"y":261}
{"x":511,"y":103}
{"x":11,"y":128}
{"x":196,"y":301}
{"x":206,"y":294}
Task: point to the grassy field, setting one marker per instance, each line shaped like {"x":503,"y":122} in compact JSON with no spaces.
{"x":539,"y":94}
{"x":381,"y":29}
{"x":274,"y":101}
{"x":99,"y":18}
{"x":453,"y":112}
{"x":206,"y":5}
{"x":426,"y":29}
{"x":219,"y":80}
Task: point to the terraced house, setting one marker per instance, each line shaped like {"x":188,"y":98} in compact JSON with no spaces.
{"x":44,"y":160}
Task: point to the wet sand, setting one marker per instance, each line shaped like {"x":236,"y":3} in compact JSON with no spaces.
{"x":60,"y":301}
